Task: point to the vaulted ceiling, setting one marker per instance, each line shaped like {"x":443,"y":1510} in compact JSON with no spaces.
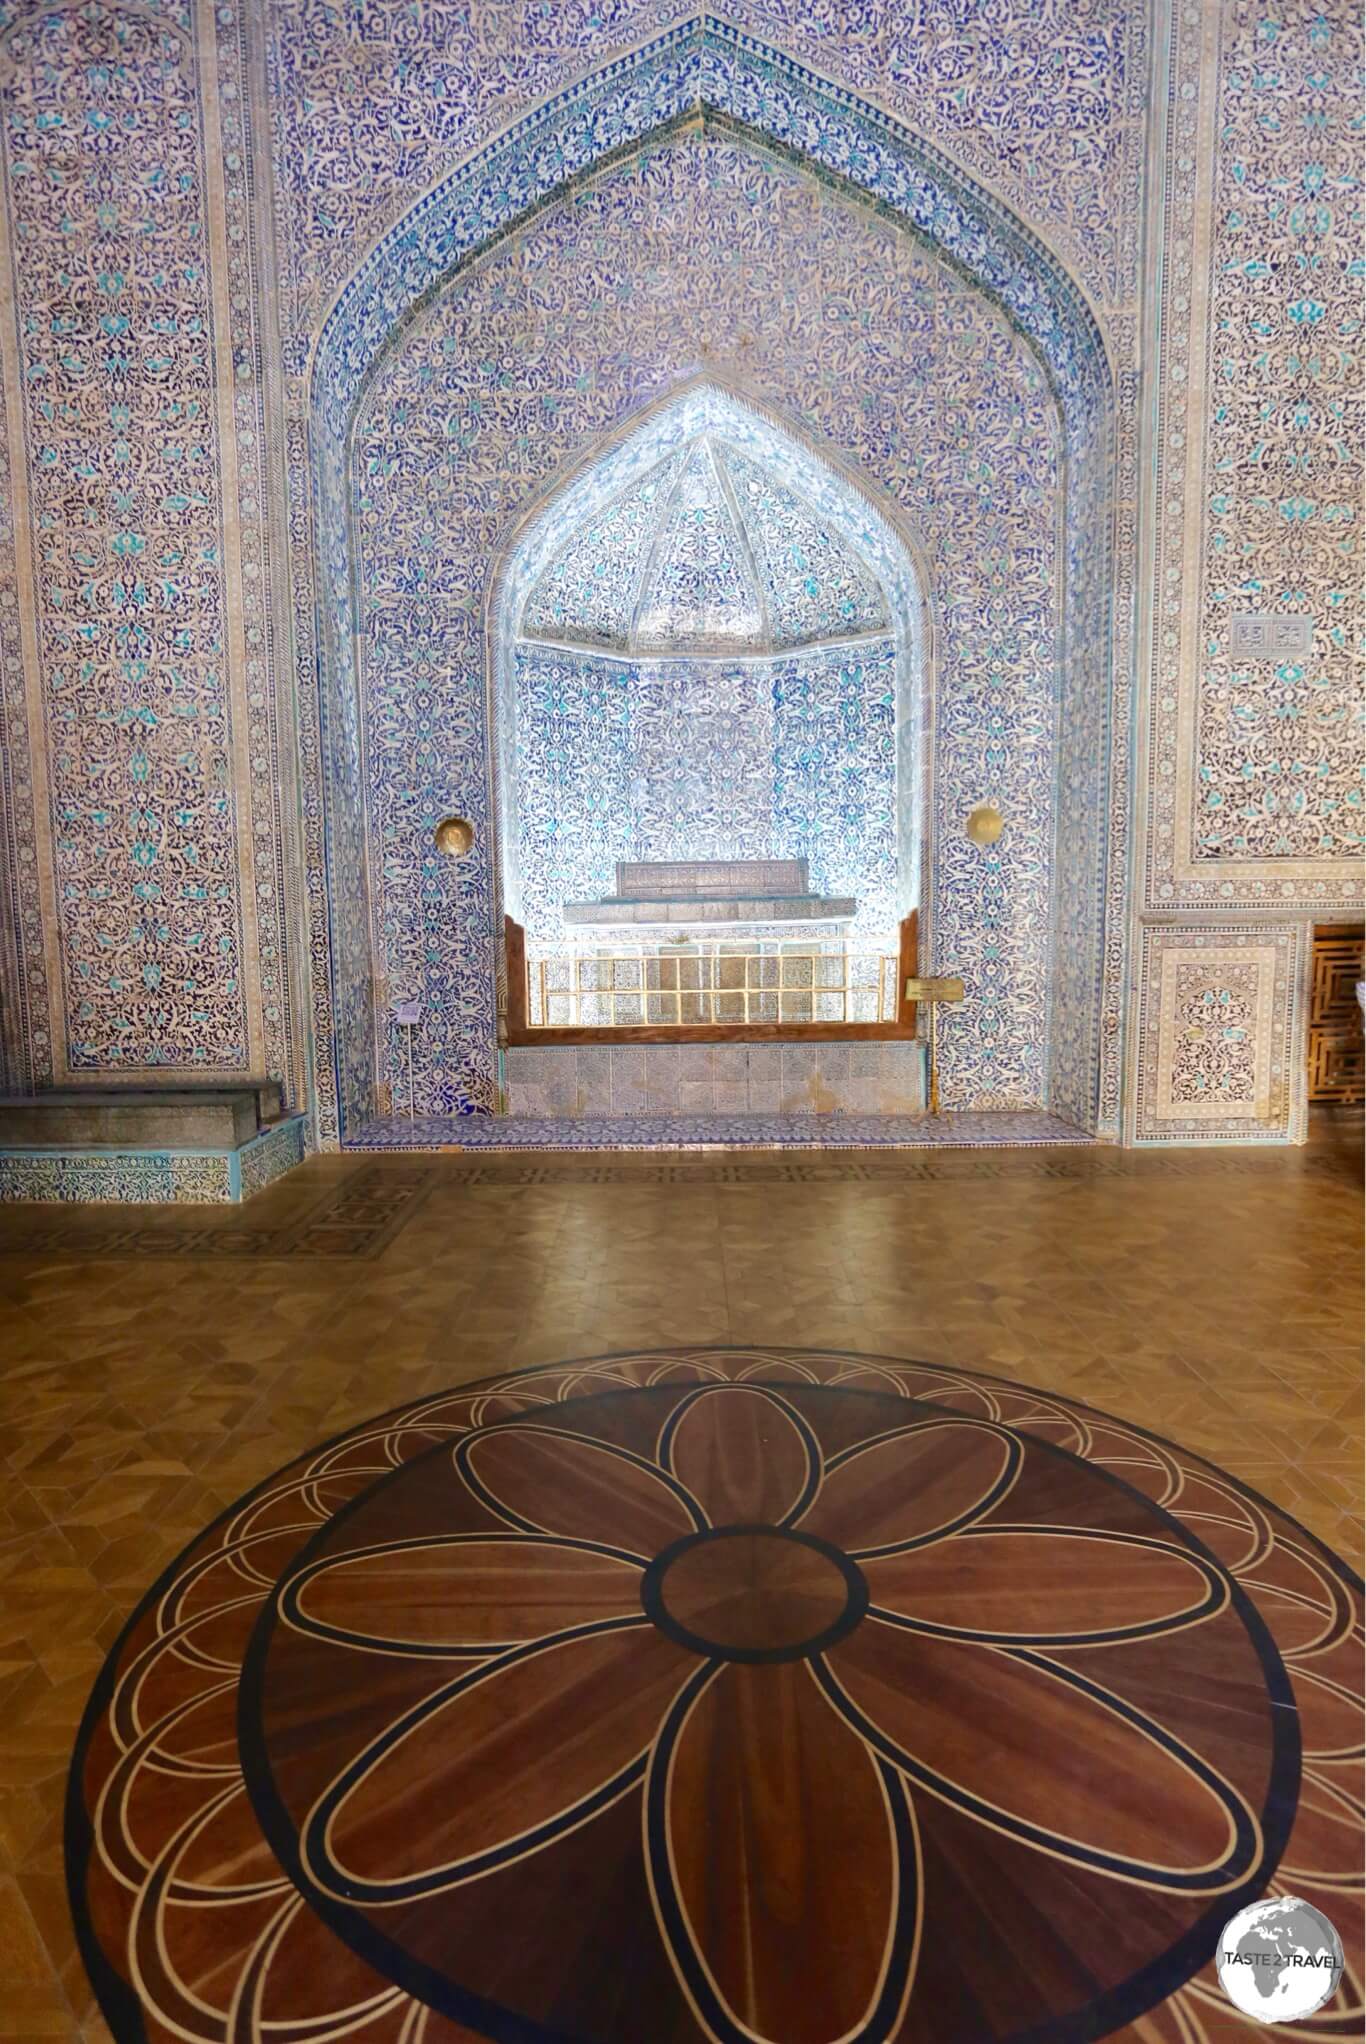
{"x":707,"y":552}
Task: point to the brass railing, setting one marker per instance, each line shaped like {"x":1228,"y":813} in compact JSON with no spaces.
{"x":682,"y":989}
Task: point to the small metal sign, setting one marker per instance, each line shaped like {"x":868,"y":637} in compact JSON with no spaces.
{"x":934,"y":990}
{"x":408,"y":1014}
{"x":1271,"y":635}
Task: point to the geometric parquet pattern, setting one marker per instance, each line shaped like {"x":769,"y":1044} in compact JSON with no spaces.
{"x":360,"y":1216}
{"x":1337,"y":1051}
{"x":721,"y":1696}
{"x":1214,"y":1300}
{"x":356,"y":1217}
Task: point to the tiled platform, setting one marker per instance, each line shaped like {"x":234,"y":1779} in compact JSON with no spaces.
{"x":725,"y":1079}
{"x":119,"y":1175}
{"x":713,"y":1132}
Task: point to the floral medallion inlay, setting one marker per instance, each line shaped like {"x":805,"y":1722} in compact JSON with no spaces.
{"x":754,"y":1593}
{"x":731,"y":1695}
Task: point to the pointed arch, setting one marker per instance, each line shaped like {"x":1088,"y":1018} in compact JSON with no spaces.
{"x":877,"y":530}
{"x":706,"y":68}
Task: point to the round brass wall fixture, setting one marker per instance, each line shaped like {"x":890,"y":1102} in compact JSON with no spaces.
{"x":985,"y":823}
{"x":454,"y":836}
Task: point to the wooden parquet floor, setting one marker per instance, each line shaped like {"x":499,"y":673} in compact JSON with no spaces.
{"x":156,"y":1365}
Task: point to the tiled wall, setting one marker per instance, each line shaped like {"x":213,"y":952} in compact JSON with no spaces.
{"x":1221,"y":1034}
{"x":722,"y":1078}
{"x":158,"y":497}
{"x":1253,"y":795}
{"x":756,"y":759}
{"x":1255,"y":764}
{"x":1050,"y":118}
{"x":563,"y":364}
{"x":141,"y":868}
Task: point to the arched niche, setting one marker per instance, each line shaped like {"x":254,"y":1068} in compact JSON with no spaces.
{"x":702,"y":71}
{"x":876,"y":536}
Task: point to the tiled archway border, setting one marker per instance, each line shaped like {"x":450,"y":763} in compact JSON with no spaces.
{"x":706,"y":64}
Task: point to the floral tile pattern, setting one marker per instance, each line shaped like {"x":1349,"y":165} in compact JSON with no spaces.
{"x":706,"y":63}
{"x":1256,"y":762}
{"x":645,"y":1130}
{"x":691,"y":759}
{"x":709,"y":552}
{"x":131,"y":627}
{"x":176,"y":179}
{"x":142,"y":820}
{"x":1220,"y":1028}
{"x":154,"y":1177}
{"x":697,"y":590}
{"x":589,"y":589}
{"x":597,"y":759}
{"x":1045,"y":103}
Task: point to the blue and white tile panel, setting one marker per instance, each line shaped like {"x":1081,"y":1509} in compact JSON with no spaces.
{"x":129,"y":1177}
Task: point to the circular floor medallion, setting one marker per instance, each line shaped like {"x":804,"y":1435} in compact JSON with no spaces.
{"x":751,"y":1696}
{"x":754,"y":1593}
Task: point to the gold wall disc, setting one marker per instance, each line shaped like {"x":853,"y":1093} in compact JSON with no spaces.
{"x":985,"y":823}
{"x":454,"y":836}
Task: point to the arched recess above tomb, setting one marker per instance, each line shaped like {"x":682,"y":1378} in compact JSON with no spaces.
{"x":722,"y":86}
{"x":789,"y":725}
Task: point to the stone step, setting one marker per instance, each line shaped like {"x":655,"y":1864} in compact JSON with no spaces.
{"x":190,"y":1117}
{"x":270,"y":1101}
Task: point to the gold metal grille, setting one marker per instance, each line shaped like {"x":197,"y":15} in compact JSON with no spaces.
{"x":1337,"y":1057}
{"x":678,"y":989}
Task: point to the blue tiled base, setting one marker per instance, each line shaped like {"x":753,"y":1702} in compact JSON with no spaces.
{"x":155,"y":1177}
{"x":713,"y":1131}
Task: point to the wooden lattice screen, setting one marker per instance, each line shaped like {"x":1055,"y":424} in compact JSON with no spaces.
{"x":1337,"y":1055}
